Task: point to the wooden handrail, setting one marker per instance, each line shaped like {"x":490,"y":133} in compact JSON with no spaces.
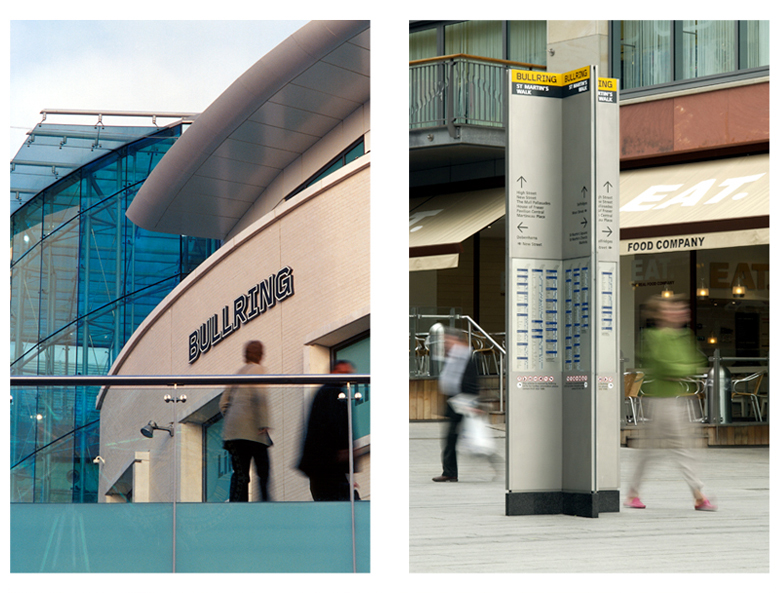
{"x":480,"y":58}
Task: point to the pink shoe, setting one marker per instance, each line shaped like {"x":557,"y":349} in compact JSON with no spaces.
{"x":634,"y":503}
{"x":705,"y":505}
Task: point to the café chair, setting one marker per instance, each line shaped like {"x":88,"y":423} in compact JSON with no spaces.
{"x":632,"y":383}
{"x":422,"y":355}
{"x":746,"y":389}
{"x":694,"y":393}
{"x":483,"y":352}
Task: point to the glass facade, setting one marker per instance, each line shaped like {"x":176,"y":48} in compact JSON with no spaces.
{"x":649,"y":53}
{"x":83,"y":278}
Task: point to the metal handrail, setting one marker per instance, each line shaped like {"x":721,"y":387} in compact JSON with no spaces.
{"x":457,"y":90}
{"x":173,"y":380}
{"x":476,"y":58}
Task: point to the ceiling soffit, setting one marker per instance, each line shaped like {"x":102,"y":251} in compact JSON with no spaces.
{"x":265,"y":120}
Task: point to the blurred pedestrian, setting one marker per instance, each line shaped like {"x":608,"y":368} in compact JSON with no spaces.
{"x":245,"y":431}
{"x":668,"y":355}
{"x":459,"y":381}
{"x":325,"y":456}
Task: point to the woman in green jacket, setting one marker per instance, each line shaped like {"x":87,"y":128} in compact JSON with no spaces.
{"x":668,"y":355}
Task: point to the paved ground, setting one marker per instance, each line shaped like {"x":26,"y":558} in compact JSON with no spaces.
{"x":462,"y":527}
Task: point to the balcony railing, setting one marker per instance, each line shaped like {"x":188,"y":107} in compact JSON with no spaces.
{"x":459,"y":90}
{"x":173,"y":526}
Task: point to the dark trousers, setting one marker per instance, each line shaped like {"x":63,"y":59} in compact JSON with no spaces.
{"x":330,"y":487}
{"x":241,"y":455}
{"x":449,"y":457}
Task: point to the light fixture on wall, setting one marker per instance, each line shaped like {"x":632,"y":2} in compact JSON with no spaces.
{"x":702,"y":292}
{"x":666,"y":292}
{"x":738,"y":290}
{"x":148,"y":430}
{"x":713,"y":339}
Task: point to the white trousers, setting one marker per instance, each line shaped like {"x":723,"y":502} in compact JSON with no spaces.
{"x":670,"y":432}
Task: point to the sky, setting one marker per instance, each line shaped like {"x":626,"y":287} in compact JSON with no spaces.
{"x":128,"y":65}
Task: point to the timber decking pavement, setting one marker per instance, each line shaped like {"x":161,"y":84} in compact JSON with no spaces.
{"x":462,"y":527}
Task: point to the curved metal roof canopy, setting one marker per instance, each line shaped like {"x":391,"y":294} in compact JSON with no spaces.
{"x":265,"y":120}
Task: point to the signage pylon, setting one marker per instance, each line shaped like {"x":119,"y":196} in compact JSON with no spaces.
{"x":563,"y":378}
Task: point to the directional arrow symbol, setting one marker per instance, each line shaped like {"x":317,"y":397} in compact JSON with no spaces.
{"x":521,"y":179}
{"x":608,"y":231}
{"x":584,"y":222}
{"x":520,"y":227}
{"x":608,"y":185}
{"x":584,"y":191}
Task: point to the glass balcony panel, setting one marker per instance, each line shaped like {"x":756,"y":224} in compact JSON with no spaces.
{"x":286,"y":537}
{"x":71,"y":538}
{"x":115,"y":538}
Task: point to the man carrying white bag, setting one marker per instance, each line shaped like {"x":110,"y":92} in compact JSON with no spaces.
{"x":459,"y":380}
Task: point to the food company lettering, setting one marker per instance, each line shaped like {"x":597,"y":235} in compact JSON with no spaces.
{"x":254,"y":302}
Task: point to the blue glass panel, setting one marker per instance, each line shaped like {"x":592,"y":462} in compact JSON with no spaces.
{"x":155,"y":256}
{"x":91,"y":538}
{"x":253,"y":537}
{"x":102,"y":179}
{"x":271,"y":537}
{"x":59,"y":281}
{"x":23,"y":423}
{"x":138,"y":305}
{"x":354,"y":153}
{"x":26,"y":227}
{"x":61,"y":202}
{"x":144,"y":156}
{"x":25,"y":303}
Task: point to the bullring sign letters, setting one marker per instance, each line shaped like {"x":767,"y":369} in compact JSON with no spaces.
{"x":255,"y":301}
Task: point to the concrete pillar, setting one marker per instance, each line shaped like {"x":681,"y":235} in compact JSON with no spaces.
{"x":141,"y":486}
{"x":572,"y":44}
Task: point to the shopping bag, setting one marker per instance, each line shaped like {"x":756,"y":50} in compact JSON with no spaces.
{"x":476,"y":438}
